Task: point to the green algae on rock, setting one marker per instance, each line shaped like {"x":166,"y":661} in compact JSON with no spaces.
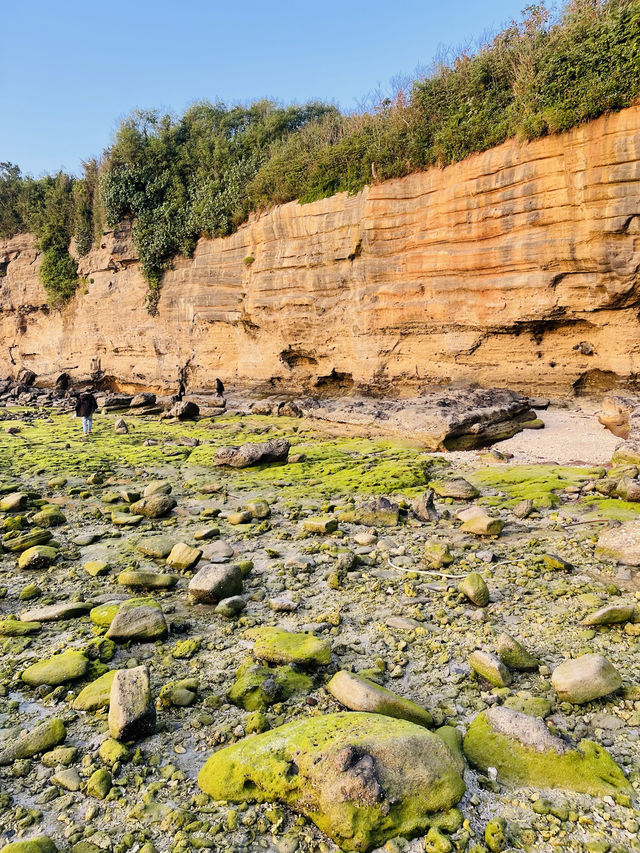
{"x":391,"y":775}
{"x":41,"y":844}
{"x":360,"y":694}
{"x":104,"y":614}
{"x":275,"y":645}
{"x":42,"y":738}
{"x":95,"y":695}
{"x":257,"y":687}
{"x":524,"y":752}
{"x":17,"y":628}
{"x":66,"y":666}
{"x":138,"y":619}
{"x":37,"y":557}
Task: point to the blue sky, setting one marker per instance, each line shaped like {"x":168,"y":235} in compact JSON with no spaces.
{"x":70,"y":70}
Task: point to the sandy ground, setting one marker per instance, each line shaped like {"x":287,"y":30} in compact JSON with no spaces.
{"x":569,"y":436}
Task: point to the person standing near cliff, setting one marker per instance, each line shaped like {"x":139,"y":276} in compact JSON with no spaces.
{"x":85,"y":407}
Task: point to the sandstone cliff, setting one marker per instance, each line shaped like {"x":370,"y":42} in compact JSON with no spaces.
{"x":518,"y":267}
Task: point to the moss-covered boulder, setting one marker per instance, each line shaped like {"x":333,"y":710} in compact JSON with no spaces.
{"x":360,"y":694}
{"x":42,"y":738}
{"x":256,"y":686}
{"x":475,"y":589}
{"x":38,"y":557}
{"x":524,"y":752}
{"x":18,"y":628}
{"x":17,"y":542}
{"x":95,"y":695}
{"x":275,"y":645}
{"x":67,"y":666}
{"x":13,"y":502}
{"x":49,"y":516}
{"x":361,"y":778}
{"x":41,"y":844}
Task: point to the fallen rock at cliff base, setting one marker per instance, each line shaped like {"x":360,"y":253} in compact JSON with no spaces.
{"x":253,"y":453}
{"x":524,"y":752}
{"x":361,"y":778}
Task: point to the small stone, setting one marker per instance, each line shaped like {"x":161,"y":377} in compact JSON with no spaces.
{"x":156,"y":546}
{"x":437,"y":554}
{"x":243,"y":517}
{"x":95,"y":695}
{"x":475,"y":589}
{"x":155,"y":506}
{"x":138,"y":619}
{"x":490,"y":668}
{"x":60,"y":756}
{"x":585,"y":678}
{"x":132,"y":713}
{"x":112,"y":751}
{"x":556,"y":563}
{"x":147,"y":580}
{"x":320,"y":524}
{"x":481,"y":524}
{"x":282,"y":605}
{"x":96,"y":568}
{"x":157,"y":487}
{"x":611,"y":614}
{"x":99,"y":784}
{"x":514,"y":655}
{"x":231,"y":607}
{"x":218,"y":552}
{"x":458,"y":488}
{"x":212,"y":583}
{"x":49,"y":516}
{"x":56,"y":612}
{"x":259,"y":509}
{"x":523,"y":509}
{"x":275,"y":645}
{"x":120,"y":427}
{"x":183,"y":557}
{"x":68,"y":779}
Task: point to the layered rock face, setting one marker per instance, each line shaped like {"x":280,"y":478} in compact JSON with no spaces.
{"x":517,"y":268}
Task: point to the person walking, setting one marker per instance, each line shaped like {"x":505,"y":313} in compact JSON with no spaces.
{"x":85,"y":407}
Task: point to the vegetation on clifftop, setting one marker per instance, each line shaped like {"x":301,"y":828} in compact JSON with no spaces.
{"x":205,"y":171}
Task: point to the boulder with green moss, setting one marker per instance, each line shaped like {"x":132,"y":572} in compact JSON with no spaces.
{"x":524,"y":752}
{"x":257,"y":687}
{"x":49,"y":516}
{"x":95,"y":695}
{"x":41,"y":844}
{"x":18,"y":628}
{"x":42,"y":738}
{"x":67,"y":666}
{"x":275,"y":645}
{"x":17,"y":542}
{"x":514,"y":655}
{"x":361,"y":778}
{"x":38,"y":557}
{"x":360,"y":694}
{"x":104,"y":614}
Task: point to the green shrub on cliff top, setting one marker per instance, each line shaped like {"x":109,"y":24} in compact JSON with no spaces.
{"x":204,"y":172}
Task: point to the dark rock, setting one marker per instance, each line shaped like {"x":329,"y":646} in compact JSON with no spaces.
{"x":253,"y":453}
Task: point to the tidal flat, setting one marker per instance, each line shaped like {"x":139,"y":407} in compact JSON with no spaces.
{"x":381,"y":560}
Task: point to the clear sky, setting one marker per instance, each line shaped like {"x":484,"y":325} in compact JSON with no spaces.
{"x":70,"y":70}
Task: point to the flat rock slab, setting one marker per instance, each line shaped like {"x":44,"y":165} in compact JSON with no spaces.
{"x":443,"y":420}
{"x":361,"y":778}
{"x":56,"y":612}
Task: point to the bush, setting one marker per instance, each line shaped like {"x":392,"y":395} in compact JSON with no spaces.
{"x":59,"y":275}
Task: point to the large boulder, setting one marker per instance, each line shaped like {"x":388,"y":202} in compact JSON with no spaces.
{"x":215,"y":582}
{"x":524,"y":752}
{"x":253,"y":453}
{"x":185,"y":410}
{"x":67,"y":666}
{"x":154,"y":507}
{"x":361,"y":778}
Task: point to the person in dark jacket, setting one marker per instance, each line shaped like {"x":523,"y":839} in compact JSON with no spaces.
{"x":85,"y":407}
